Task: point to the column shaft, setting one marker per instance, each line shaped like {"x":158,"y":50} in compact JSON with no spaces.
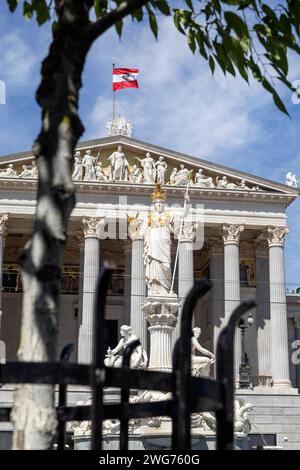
{"x":231,"y":237}
{"x":279,"y":333}
{"x":3,"y":226}
{"x":138,"y":291}
{"x":263,"y":319}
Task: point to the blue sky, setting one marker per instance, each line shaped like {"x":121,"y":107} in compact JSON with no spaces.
{"x":179,"y":105}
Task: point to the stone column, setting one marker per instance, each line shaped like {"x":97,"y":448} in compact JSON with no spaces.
{"x":231,"y":238}
{"x":92,"y":228}
{"x":263,"y":314}
{"x":185,"y":266}
{"x":216,"y":263}
{"x":297,"y":337}
{"x":3,"y":231}
{"x":279,"y":333}
{"x":127,"y":281}
{"x":138,"y":282}
{"x":81,"y":243}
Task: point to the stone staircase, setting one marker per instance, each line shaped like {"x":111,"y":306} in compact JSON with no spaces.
{"x":275,"y":414}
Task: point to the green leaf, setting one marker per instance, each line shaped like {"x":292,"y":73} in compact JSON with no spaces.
{"x":190,"y":4}
{"x":269,"y":12}
{"x":276,"y":98}
{"x":236,"y":23}
{"x":191,"y":41}
{"x":212,"y":64}
{"x":12,"y":4}
{"x":201,"y":44}
{"x":138,"y":14}
{"x":279,"y":103}
{"x":177,"y":21}
{"x":42,"y":11}
{"x":27,"y":10}
{"x":162,"y":6}
{"x":153,"y":23}
{"x":119,"y":27}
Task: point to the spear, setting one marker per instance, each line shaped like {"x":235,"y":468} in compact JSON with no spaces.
{"x":186,"y":200}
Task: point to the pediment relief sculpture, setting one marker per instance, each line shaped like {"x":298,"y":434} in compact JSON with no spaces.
{"x":123,"y":166}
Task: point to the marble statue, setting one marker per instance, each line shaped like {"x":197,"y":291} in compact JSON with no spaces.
{"x":157,"y":246}
{"x":9,"y":172}
{"x":222,"y":183}
{"x":241,"y":421}
{"x":182,"y":177}
{"x":100,"y":173}
{"x":173,"y":176}
{"x":88,"y":163}
{"x":119,"y":165}
{"x":78,"y":168}
{"x":200,"y":364}
{"x":203,"y":181}
{"x":119,"y":126}
{"x":291,"y":180}
{"x":242,"y":185}
{"x":161,"y":170}
{"x":29,"y":171}
{"x":136,"y":175}
{"x":149,"y":171}
{"x":139,"y":357}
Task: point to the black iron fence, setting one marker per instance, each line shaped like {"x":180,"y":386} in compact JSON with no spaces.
{"x":188,"y":394}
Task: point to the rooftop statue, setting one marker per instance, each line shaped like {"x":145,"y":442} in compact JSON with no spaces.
{"x":203,"y":181}
{"x":9,"y":172}
{"x":291,"y":180}
{"x":182,"y":177}
{"x":149,"y":171}
{"x":161,"y":170}
{"x":29,"y":171}
{"x":88,"y":163}
{"x":119,"y":165}
{"x":78,"y":168}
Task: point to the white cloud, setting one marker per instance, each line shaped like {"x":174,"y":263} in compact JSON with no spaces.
{"x":18,"y":60}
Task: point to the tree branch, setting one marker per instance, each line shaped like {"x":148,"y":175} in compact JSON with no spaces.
{"x":97,"y":28}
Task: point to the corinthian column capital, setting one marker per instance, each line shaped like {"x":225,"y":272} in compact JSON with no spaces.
{"x":188,"y":232}
{"x":3,"y":224}
{"x":231,"y":233}
{"x":93,"y":226}
{"x":276,"y":235}
{"x":135,"y":228}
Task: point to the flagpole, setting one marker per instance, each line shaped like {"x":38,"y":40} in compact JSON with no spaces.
{"x":186,"y":199}
{"x":114,"y":98}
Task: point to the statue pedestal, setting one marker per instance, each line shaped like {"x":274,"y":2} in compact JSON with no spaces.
{"x":161,"y":313}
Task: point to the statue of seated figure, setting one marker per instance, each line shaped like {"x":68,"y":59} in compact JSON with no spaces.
{"x":200,"y":364}
{"x":139,"y":358}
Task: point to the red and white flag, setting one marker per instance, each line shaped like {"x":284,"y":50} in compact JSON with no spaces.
{"x":125,"y":78}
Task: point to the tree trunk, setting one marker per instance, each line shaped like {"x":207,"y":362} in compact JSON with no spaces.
{"x":33,"y":414}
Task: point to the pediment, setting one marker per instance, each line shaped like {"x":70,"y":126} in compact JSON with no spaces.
{"x":179,"y":168}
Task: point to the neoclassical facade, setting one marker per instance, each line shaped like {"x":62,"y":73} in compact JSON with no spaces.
{"x":233,"y":233}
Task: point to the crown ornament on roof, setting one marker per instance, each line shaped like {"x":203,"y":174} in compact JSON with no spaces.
{"x":119,"y":126}
{"x":158,"y":194}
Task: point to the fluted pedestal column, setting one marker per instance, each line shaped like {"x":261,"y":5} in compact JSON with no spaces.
{"x":3,"y":231}
{"x":161,"y":314}
{"x":216,"y":263}
{"x":138,"y":282}
{"x":231,"y":238}
{"x":185,"y":266}
{"x":92,"y":228}
{"x":279,"y":334}
{"x":263,"y":320}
